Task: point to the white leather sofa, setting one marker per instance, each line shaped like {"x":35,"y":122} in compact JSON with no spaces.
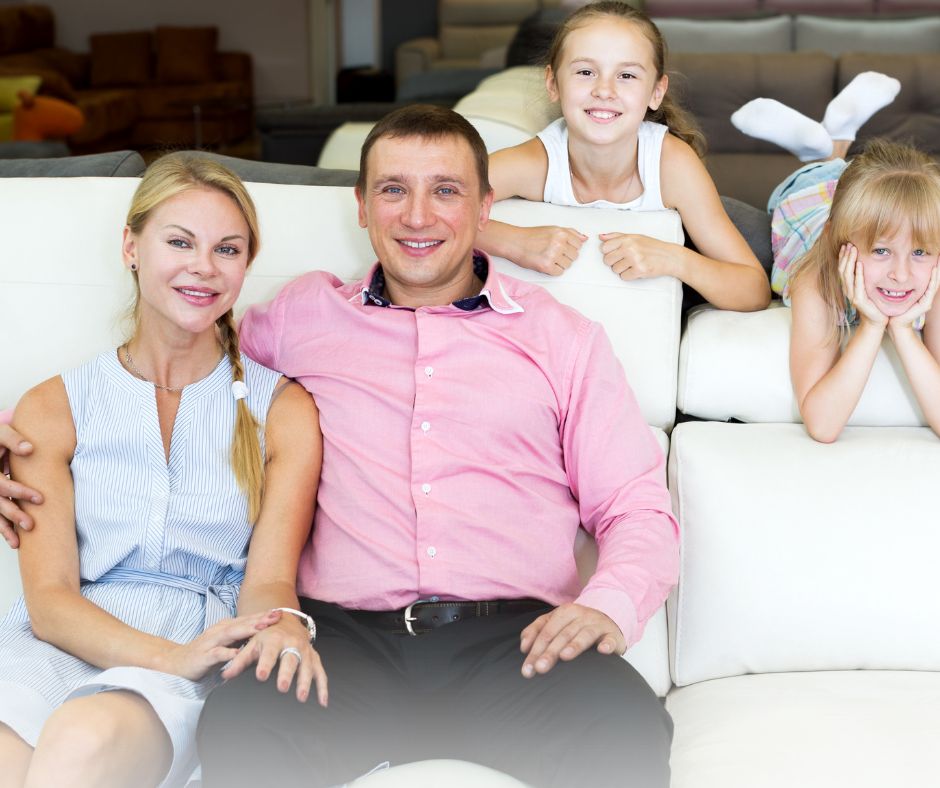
{"x":802,"y":642}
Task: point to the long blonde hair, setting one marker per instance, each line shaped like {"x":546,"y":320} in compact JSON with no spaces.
{"x":167,"y":177}
{"x":679,"y":122}
{"x":884,"y":188}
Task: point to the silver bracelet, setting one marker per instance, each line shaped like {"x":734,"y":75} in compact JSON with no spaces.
{"x":308,"y":620}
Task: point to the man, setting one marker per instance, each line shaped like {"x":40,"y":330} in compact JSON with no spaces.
{"x":470,"y":424}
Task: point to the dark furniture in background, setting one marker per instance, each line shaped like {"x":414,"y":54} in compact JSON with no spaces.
{"x":167,"y":87}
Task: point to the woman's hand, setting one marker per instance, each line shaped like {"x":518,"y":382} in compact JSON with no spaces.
{"x":853,"y":285}
{"x":282,"y":643}
{"x":215,"y":646}
{"x":921,"y":307}
{"x":549,"y":250}
{"x":637,"y":256}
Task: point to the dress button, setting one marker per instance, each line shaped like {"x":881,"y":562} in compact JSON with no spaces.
{"x":425,"y":426}
{"x":426,"y":488}
{"x":429,"y":371}
{"x":434,"y":598}
{"x":432,"y":551}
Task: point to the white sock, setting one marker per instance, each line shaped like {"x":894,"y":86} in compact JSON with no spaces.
{"x":858,"y":101}
{"x":768,"y":119}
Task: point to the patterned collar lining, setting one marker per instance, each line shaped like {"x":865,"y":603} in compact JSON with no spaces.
{"x":373,"y":293}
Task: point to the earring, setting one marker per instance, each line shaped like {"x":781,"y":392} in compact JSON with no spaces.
{"x":133,"y":266}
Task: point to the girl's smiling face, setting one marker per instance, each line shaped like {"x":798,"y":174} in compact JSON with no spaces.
{"x":605,"y":80}
{"x":897,"y":271}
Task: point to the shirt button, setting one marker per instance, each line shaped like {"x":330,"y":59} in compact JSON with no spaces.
{"x":434,"y":598}
{"x":425,"y":426}
{"x":426,"y":489}
{"x":432,"y":551}
{"x":429,"y":371}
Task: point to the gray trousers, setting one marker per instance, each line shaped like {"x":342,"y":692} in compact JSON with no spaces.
{"x":456,"y":692}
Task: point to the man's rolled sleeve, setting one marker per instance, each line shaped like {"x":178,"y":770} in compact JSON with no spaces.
{"x":617,"y":472}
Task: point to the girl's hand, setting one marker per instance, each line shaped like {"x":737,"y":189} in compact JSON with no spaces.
{"x":637,"y":256}
{"x":215,"y":646}
{"x":923,"y":305}
{"x":269,"y":647}
{"x":549,"y":250}
{"x":853,"y":285}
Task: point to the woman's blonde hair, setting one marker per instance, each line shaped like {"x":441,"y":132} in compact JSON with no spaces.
{"x":166,"y":178}
{"x":886,"y":188}
{"x":679,"y":122}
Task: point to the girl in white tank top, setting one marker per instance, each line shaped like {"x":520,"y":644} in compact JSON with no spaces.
{"x":621,"y":143}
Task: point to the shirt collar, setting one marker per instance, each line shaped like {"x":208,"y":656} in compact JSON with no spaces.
{"x":493,"y":293}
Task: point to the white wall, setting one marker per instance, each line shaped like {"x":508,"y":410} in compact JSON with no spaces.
{"x":274,"y":32}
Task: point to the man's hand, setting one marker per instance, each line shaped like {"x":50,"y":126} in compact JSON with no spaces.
{"x":10,"y":513}
{"x":637,"y":256}
{"x":565,"y":633}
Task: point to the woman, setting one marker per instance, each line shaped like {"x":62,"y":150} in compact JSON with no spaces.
{"x":157,"y":474}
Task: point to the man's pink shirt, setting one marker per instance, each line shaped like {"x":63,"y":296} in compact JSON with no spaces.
{"x":462,"y":450}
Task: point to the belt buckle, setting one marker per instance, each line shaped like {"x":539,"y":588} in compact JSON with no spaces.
{"x":410,"y":618}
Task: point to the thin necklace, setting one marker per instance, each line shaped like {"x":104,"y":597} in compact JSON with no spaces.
{"x":138,"y":374}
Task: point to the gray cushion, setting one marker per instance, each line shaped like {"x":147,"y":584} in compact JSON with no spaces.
{"x":836,"y":36}
{"x":296,"y":174}
{"x":754,"y":225}
{"x":774,"y":34}
{"x":23,"y":149}
{"x":122,"y":163}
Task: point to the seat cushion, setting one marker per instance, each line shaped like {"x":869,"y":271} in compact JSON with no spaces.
{"x":798,"y":555}
{"x":864,"y":729}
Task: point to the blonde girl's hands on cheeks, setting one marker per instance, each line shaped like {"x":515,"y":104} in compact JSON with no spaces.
{"x":637,"y":256}
{"x":853,"y":285}
{"x":921,"y":307}
{"x":215,"y":646}
{"x":277,"y":647}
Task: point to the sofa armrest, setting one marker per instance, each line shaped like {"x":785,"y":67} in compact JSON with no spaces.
{"x":415,"y":57}
{"x":233,"y":67}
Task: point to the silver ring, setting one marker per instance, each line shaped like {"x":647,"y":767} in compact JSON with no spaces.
{"x":292,"y":651}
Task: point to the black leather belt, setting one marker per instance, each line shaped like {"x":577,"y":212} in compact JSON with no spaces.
{"x":424,"y":615}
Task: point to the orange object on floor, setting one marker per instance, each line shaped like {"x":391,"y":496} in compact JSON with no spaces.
{"x":44,"y":117}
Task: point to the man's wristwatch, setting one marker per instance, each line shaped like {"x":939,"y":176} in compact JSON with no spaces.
{"x":308,"y":620}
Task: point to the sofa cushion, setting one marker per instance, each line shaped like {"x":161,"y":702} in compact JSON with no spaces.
{"x":107,"y":112}
{"x":26,"y":27}
{"x":914,"y":116}
{"x":713,"y":86}
{"x":656,"y":8}
{"x":864,"y":729}
{"x":798,"y":555}
{"x":121,"y":58}
{"x":468,"y":43}
{"x":122,"y":163}
{"x":53,"y":84}
{"x":12,"y":86}
{"x":185,"y":54}
{"x":773,"y":34}
{"x":735,"y":365}
{"x":835,"y":36}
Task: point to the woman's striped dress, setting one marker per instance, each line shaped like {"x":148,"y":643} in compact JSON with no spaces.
{"x":162,"y":546}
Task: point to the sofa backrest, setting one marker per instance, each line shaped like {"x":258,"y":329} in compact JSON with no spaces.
{"x":26,"y":27}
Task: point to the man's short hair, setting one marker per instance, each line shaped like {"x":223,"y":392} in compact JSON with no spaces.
{"x":426,"y":121}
